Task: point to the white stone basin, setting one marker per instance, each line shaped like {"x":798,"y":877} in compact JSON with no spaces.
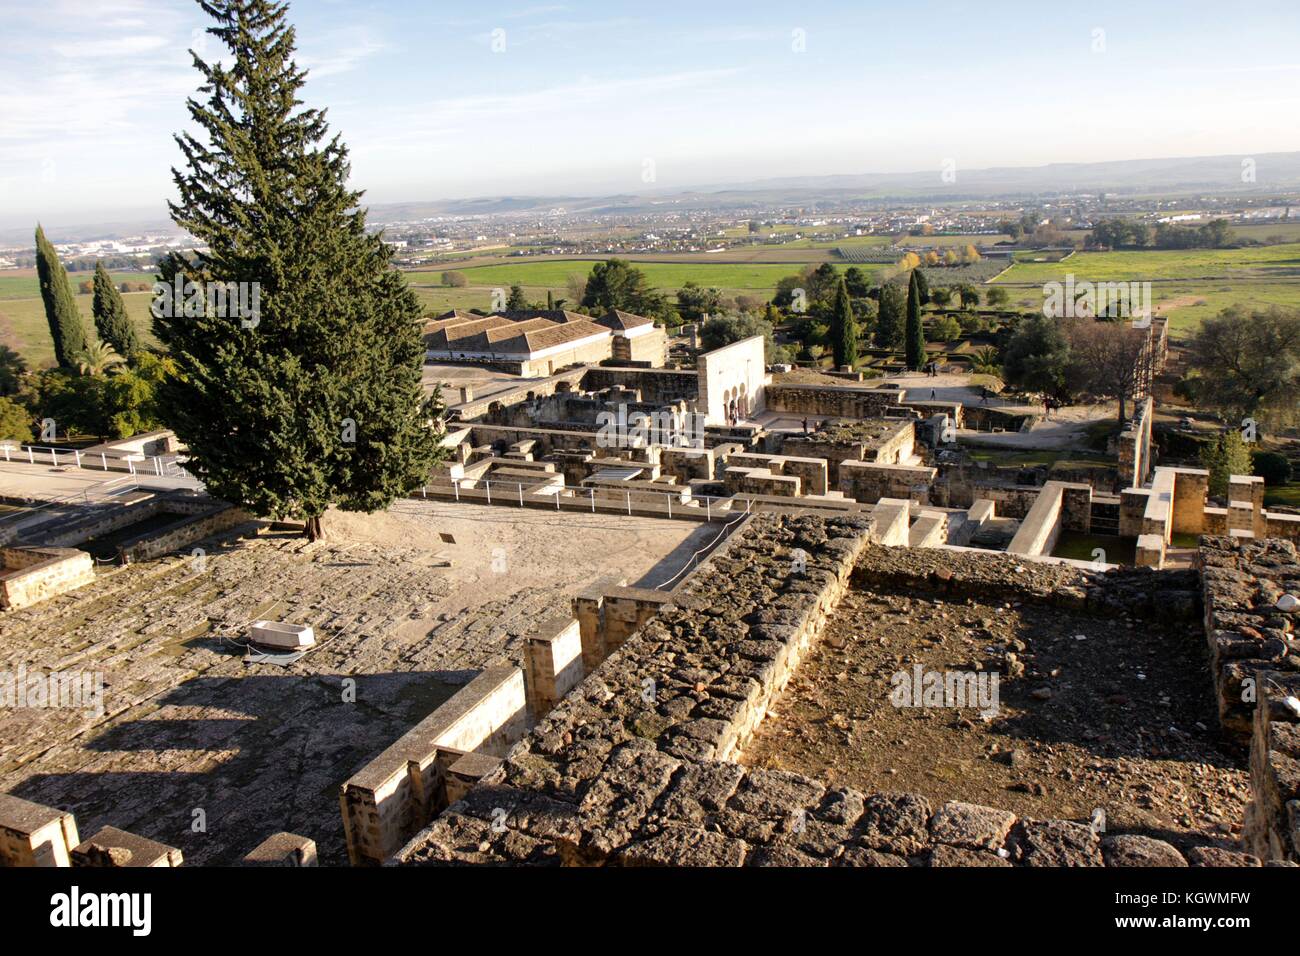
{"x":290,"y":637}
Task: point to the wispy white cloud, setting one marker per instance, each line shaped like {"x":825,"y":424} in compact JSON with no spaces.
{"x":114,"y":47}
{"x":338,"y":52}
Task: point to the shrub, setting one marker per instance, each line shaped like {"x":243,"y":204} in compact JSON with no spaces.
{"x":1272,"y":467}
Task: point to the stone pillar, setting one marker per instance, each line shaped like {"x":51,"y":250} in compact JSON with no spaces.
{"x":1191,"y":485}
{"x":553,"y":663}
{"x":1150,"y":551}
{"x":34,"y":835}
{"x":283,"y":849}
{"x":112,"y":848}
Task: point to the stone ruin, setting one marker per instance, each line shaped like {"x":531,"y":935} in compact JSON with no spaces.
{"x":637,"y":765}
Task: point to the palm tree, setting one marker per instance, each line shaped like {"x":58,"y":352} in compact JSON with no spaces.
{"x":985,"y":362}
{"x":99,"y":358}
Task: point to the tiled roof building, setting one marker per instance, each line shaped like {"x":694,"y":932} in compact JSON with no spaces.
{"x":539,"y":342}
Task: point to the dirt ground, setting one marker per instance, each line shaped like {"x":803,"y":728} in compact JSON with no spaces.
{"x":186,"y":724}
{"x":1107,"y":713}
{"x":496,"y":550}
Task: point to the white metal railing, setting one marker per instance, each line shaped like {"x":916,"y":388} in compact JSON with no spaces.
{"x":517,"y":492}
{"x":14,"y":526}
{"x":162,"y":466}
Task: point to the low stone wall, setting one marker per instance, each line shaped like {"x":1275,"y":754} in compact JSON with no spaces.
{"x":33,"y":835}
{"x":32,"y":575}
{"x":395,"y":794}
{"x":113,"y":848}
{"x":835,"y":401}
{"x":811,"y":472}
{"x":1272,"y":828}
{"x":868,"y":482}
{"x":1249,"y":637}
{"x":212,"y":518}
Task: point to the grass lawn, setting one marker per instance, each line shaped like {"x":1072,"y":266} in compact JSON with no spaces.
{"x":1188,"y":304}
{"x":1287,"y":495}
{"x":1082,"y":547}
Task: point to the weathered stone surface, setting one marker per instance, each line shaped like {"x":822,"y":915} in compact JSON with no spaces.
{"x":1057,"y":843}
{"x":967,"y":825}
{"x":684,"y":846}
{"x":1133,"y":850}
{"x":943,"y":855}
{"x":1215,"y":856}
{"x":894,"y":822}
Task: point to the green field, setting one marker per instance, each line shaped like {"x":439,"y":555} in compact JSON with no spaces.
{"x":24,"y":285}
{"x":1260,"y":262}
{"x":669,"y":276}
{"x":23,"y":327}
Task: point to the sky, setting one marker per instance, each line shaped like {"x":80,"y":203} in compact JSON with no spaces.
{"x":472,"y":98}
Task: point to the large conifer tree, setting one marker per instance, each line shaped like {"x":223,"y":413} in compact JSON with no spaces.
{"x":314,"y":399}
{"x":844,"y":328}
{"x":60,"y":307}
{"x":914,"y":333}
{"x":111,"y":321}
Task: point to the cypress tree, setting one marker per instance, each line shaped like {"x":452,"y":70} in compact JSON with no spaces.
{"x":914,"y":334}
{"x":60,"y":307}
{"x":844,"y":328}
{"x":309,"y":394}
{"x":111,"y":320}
{"x":923,"y":284}
{"x":889,"y":320}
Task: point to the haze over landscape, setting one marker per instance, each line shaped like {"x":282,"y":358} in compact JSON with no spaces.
{"x":437,"y":101}
{"x":846,"y":435}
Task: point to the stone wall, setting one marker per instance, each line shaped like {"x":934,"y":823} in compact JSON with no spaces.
{"x":1249,"y":635}
{"x":657,"y":386}
{"x":32,"y":575}
{"x":868,"y":482}
{"x":631,"y":768}
{"x":33,"y":835}
{"x":395,"y":794}
{"x":213,"y":519}
{"x":833,"y":401}
{"x":1252,"y":638}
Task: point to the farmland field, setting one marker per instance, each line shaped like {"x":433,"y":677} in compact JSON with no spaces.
{"x":23,"y":327}
{"x":1188,"y":285}
{"x":1265,"y":262}
{"x":22,"y":283}
{"x":666,"y":276}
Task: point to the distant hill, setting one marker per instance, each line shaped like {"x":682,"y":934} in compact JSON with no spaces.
{"x":1173,"y":176}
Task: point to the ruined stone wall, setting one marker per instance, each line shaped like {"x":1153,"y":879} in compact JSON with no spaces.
{"x":1252,"y":636}
{"x":391,"y":797}
{"x":657,"y":386}
{"x":631,"y":768}
{"x":834,"y":401}
{"x":33,"y":575}
{"x":214,"y":519}
{"x":868,"y":482}
{"x":1249,"y":636}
